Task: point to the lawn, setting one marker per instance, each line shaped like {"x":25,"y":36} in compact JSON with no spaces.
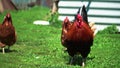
{"x":39,"y":46}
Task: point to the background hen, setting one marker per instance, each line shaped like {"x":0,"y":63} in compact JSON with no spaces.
{"x":78,"y":38}
{"x":65,"y":27}
{"x":7,"y":32}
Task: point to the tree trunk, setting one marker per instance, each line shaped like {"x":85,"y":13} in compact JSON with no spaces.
{"x":55,"y":6}
{"x":38,"y":2}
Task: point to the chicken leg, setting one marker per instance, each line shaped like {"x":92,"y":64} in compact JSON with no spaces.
{"x":2,"y":46}
{"x":71,"y":60}
{"x":83,"y":62}
{"x":3,"y":50}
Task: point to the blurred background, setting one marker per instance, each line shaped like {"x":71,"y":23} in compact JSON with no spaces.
{"x":101,"y":12}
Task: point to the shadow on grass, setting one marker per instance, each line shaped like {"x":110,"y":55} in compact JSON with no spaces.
{"x":77,"y":60}
{"x":8,"y":51}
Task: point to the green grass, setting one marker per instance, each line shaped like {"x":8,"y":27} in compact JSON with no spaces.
{"x":39,"y":46}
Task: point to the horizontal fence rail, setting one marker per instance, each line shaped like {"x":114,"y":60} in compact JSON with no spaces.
{"x":102,"y":12}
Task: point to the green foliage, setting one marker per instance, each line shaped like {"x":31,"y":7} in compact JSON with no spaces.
{"x":109,"y":30}
{"x":54,"y":20}
{"x":39,"y":46}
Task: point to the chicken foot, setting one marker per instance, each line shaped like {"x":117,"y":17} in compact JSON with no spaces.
{"x":3,"y":50}
{"x":83,"y":62}
{"x":71,"y":60}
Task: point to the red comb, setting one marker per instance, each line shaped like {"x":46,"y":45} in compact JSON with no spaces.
{"x":66,"y":19}
{"x":79,"y":16}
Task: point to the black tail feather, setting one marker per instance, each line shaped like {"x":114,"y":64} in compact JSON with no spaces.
{"x":84,"y":14}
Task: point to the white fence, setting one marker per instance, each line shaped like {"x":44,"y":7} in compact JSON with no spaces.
{"x":102,"y":12}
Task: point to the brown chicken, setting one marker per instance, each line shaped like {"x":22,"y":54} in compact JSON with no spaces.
{"x":7,"y":33}
{"x":65,"y":27}
{"x":77,"y":38}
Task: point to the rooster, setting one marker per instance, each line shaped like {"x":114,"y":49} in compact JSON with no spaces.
{"x":77,"y":37}
{"x":7,"y":33}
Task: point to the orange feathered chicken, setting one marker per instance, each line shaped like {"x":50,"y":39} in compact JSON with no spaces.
{"x":7,"y":33}
{"x":65,"y":27}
